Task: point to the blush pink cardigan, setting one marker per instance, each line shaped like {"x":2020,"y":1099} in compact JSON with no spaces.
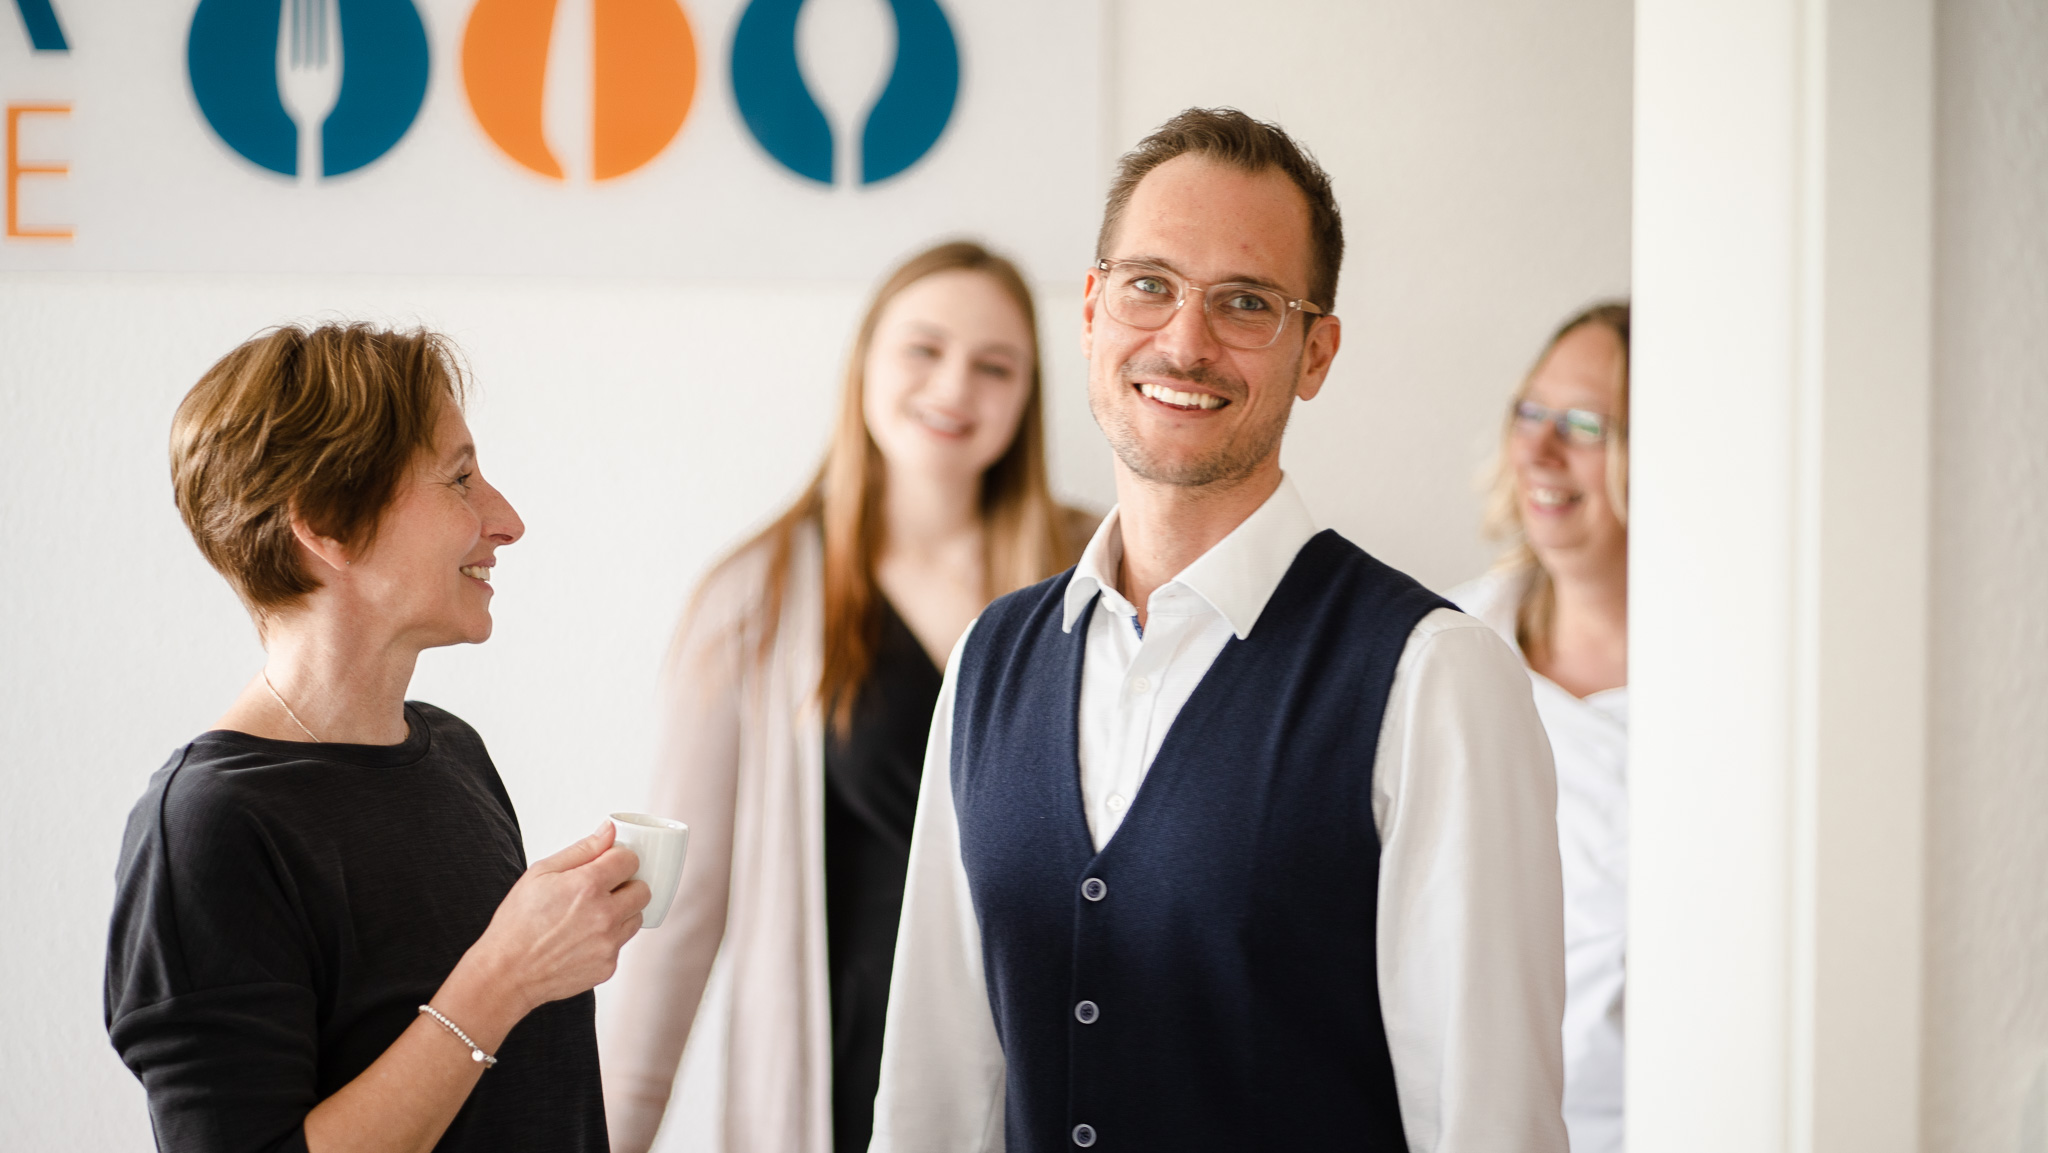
{"x":741,"y":760}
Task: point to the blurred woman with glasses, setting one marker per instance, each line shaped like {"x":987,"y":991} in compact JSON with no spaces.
{"x":1559,"y":499}
{"x":798,"y":698}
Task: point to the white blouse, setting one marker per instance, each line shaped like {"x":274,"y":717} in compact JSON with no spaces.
{"x":1589,"y":740}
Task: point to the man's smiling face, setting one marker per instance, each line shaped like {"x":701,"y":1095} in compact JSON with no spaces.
{"x":1178,"y":406}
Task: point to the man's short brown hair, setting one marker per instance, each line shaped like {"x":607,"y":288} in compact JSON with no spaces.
{"x":321,"y":424}
{"x":1231,"y":137}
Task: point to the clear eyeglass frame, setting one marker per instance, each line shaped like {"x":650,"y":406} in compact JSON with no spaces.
{"x":1572,"y":425}
{"x":1250,"y":330}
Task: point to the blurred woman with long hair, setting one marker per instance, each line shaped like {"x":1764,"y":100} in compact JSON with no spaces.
{"x":1558,"y":498}
{"x":798,"y":698}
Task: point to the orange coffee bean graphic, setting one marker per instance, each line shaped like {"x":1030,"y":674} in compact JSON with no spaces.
{"x":644,"y":76}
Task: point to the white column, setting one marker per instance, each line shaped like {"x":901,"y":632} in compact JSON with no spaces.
{"x":1778,"y":573}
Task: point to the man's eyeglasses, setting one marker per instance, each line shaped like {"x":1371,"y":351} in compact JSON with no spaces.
{"x":1573,"y":425}
{"x":1146,"y":296}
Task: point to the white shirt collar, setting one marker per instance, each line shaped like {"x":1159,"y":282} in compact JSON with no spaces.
{"x":1235,"y":578}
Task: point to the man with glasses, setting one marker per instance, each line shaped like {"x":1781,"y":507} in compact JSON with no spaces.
{"x":1231,"y":837}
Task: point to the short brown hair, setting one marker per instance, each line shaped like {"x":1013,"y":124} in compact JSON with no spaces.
{"x":1231,"y":137}
{"x":318,"y":423}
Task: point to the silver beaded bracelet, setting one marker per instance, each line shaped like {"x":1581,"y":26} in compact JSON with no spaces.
{"x":475,"y":1054}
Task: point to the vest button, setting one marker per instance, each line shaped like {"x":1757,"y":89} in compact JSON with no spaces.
{"x":1094,"y":889}
{"x":1086,"y":1012}
{"x":1084,"y":1135}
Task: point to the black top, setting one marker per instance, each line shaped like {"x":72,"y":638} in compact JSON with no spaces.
{"x":281,"y":911}
{"x":871,"y":778}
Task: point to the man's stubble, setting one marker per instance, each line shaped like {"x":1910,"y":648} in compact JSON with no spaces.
{"x":1237,"y":458}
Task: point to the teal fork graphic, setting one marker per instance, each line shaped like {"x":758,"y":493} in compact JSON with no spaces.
{"x":309,"y":73}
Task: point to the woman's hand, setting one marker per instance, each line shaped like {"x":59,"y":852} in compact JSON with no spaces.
{"x":554,"y":935}
{"x":559,"y":930}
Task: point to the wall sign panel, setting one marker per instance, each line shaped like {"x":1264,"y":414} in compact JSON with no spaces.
{"x":699,"y":139}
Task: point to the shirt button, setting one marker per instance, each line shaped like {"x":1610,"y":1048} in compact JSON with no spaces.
{"x":1086,"y":1012}
{"x":1084,"y":1135}
{"x":1094,"y":889}
{"x":1141,"y":685}
{"x":1116,"y":802}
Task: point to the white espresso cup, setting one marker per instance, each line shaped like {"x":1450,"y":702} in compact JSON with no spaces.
{"x":661,"y":845}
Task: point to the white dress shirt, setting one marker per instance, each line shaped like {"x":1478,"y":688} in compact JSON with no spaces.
{"x":1590,"y":739}
{"x":1469,"y":923}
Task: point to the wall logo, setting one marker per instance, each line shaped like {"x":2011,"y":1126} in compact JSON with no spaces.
{"x":644,"y":77}
{"x":45,"y":34}
{"x":905,"y":122}
{"x":321,"y":86}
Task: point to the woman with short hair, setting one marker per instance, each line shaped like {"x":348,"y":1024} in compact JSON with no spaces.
{"x":799,"y":693}
{"x":325,"y":934}
{"x":1558,"y":496}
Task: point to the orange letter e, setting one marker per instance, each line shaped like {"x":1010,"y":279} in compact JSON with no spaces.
{"x":16,"y":170}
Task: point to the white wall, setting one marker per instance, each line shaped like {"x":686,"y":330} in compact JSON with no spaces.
{"x":1481,"y":150}
{"x":1986,"y":1072}
{"x":1778,"y":571}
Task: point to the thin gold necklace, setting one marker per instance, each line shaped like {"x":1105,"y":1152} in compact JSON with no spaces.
{"x":279,"y":698}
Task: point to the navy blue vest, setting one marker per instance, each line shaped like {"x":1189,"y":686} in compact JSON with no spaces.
{"x":1208,"y":980}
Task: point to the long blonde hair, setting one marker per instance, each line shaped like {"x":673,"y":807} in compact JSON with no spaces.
{"x":1537,"y":610}
{"x":1024,"y":532}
